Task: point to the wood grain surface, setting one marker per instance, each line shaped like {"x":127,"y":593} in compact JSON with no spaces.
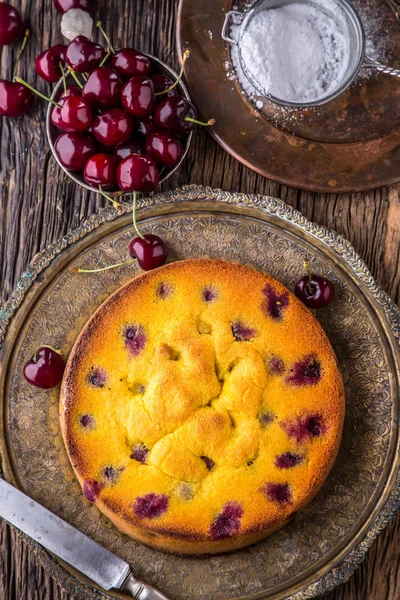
{"x":39,"y":204}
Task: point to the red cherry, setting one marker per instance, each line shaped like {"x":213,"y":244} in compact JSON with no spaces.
{"x":83,"y":55}
{"x":129,"y":63}
{"x":132,"y":146}
{"x":74,"y":150}
{"x":74,"y":115}
{"x":113,"y":127}
{"x":73,"y":90}
{"x":316,"y":292}
{"x":48,"y":63}
{"x":64,"y":5}
{"x":149,"y":252}
{"x":146,"y":125}
{"x":103,"y":88}
{"x":45,"y":369}
{"x":172,"y":113}
{"x":138,"y":173}
{"x":161,"y":84}
{"x":164,"y":148}
{"x":11,"y":24}
{"x":138,"y":96}
{"x":101,"y":170}
{"x":15,"y":98}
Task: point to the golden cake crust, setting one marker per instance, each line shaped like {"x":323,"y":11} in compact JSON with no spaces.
{"x":201,"y":407}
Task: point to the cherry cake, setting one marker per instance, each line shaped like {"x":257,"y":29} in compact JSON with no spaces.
{"x":202,"y":407}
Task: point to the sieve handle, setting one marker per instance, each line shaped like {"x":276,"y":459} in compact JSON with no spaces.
{"x":225,"y":36}
{"x":374,"y":64}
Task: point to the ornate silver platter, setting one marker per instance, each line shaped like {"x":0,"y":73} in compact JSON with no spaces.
{"x":322,"y":546}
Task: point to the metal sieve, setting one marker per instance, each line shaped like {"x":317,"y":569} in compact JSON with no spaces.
{"x":358,"y":58}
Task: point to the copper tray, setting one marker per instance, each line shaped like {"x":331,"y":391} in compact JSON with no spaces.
{"x":349,"y":144}
{"x":323,"y":545}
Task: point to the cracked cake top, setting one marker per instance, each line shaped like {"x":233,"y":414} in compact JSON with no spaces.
{"x":202,"y":406}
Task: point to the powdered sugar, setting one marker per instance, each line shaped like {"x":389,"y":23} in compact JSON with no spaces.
{"x":298,"y":52}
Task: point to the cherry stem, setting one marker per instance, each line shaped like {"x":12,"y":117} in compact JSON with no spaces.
{"x":134,"y":217}
{"x":45,"y":346}
{"x":75,"y":76}
{"x":115,"y":204}
{"x":63,"y":77}
{"x":105,"y":59}
{"x":19,"y":80}
{"x":122,"y":264}
{"x":308,"y":271}
{"x":186,"y":55}
{"x":84,"y":76}
{"x":209,"y":123}
{"x":100,"y":26}
{"x":20,"y":53}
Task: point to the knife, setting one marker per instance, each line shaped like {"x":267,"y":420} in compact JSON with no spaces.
{"x":72,"y":546}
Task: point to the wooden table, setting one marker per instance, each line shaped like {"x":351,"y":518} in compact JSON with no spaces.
{"x":39,"y":204}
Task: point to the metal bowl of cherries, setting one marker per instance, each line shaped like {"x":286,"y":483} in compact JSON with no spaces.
{"x":121,"y":121}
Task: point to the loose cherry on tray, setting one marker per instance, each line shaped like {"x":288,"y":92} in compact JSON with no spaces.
{"x":113,"y":127}
{"x":164,"y":148}
{"x":45,"y":369}
{"x":138,"y":96}
{"x":129,"y":63}
{"x":65,"y":5}
{"x":83,"y":55}
{"x":178,"y":115}
{"x":11,"y":24}
{"x":101,"y":171}
{"x":133,"y":146}
{"x":149,"y":250}
{"x":314,"y":290}
{"x":103,"y":88}
{"x":48,"y":63}
{"x":137,"y":173}
{"x":74,"y":150}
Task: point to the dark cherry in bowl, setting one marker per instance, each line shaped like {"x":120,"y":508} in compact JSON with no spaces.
{"x":158,"y":67}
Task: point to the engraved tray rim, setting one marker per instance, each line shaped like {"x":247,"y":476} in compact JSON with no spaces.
{"x":243,"y":203}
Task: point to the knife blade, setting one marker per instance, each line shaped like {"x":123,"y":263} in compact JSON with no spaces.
{"x":71,"y":545}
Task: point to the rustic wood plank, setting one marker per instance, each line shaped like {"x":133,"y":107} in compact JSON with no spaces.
{"x":39,"y":204}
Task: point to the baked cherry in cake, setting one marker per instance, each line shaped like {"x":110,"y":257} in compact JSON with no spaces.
{"x":201,"y":406}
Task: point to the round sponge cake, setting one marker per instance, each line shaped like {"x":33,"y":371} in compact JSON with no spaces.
{"x":202,"y":407}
